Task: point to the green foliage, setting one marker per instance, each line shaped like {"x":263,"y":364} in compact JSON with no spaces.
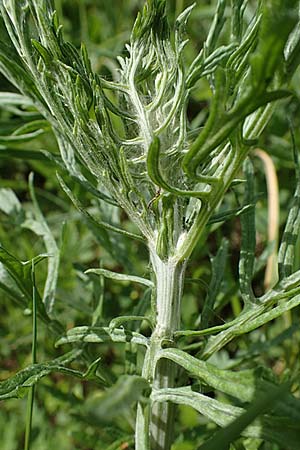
{"x":142,"y":151}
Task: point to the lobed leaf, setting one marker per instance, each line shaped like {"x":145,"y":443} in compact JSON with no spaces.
{"x":236,"y":421}
{"x":18,"y":385}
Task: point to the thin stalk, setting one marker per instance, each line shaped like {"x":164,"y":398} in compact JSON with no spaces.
{"x":154,"y":425}
{"x":30,"y":399}
{"x":271,"y":273}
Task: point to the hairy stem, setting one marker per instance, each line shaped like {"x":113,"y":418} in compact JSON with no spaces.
{"x":154,"y":425}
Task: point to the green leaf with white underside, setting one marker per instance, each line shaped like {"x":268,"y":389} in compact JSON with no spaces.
{"x":18,"y":385}
{"x":99,"y":334}
{"x":120,"y":276}
{"x":236,"y":420}
{"x":244,"y":385}
{"x":253,"y":316}
{"x":249,"y":320}
{"x":117,"y":321}
{"x":267,"y":428}
{"x":240,"y":384}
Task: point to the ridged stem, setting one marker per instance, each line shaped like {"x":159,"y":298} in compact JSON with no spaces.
{"x":154,"y":425}
{"x":169,"y":287}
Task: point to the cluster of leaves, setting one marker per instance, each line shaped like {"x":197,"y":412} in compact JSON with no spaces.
{"x":127,"y":141}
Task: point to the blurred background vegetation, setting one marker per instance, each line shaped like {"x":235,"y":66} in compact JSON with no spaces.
{"x":105,"y":28}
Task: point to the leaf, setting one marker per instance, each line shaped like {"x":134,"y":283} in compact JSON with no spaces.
{"x":120,"y":276}
{"x":257,"y":315}
{"x":12,"y":98}
{"x":241,"y":385}
{"x":34,"y":155}
{"x":18,"y":385}
{"x":98,"y":335}
{"x":244,"y":385}
{"x":117,"y":321}
{"x":20,"y":272}
{"x":42,"y":51}
{"x":218,"y":269}
{"x":229,"y":214}
{"x":153,"y":159}
{"x":20,"y":138}
{"x":201,"y":67}
{"x":17,"y":104}
{"x":40,"y":227}
{"x":95,"y":224}
{"x":69,"y":160}
{"x":260,"y":405}
{"x":286,"y":253}
{"x":10,"y":205}
{"x":90,"y":373}
{"x":292,"y":49}
{"x":116,"y":400}
{"x":235,"y":420}
{"x":263,"y":67}
{"x":25,"y":133}
{"x":246,"y":264}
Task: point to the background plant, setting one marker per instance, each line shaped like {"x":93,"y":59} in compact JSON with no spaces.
{"x":125,"y":140}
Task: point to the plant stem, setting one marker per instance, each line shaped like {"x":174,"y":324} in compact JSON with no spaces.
{"x":30,"y":399}
{"x":169,"y":286}
{"x":271,"y":273}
